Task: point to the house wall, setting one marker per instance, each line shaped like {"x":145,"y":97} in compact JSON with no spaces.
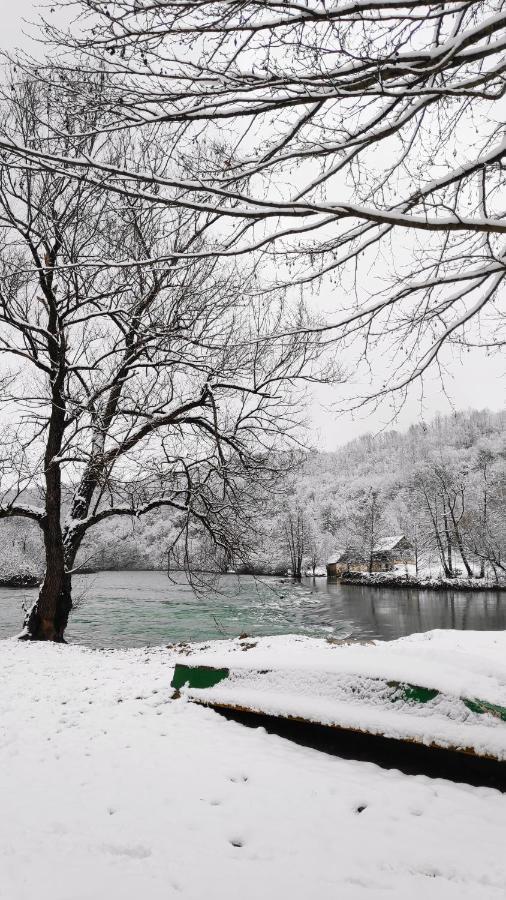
{"x":384,"y":562}
{"x":334,"y":570}
{"x":379,"y":566}
{"x":404,"y":559}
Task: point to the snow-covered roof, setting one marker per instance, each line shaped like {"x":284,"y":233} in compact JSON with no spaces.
{"x":353,"y":555}
{"x":388,"y":543}
{"x":347,"y":556}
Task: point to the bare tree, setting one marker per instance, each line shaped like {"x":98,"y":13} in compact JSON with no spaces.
{"x":343,"y":135}
{"x":485,"y":535}
{"x":442,"y":485}
{"x":132,"y":386}
{"x":295,"y":537}
{"x":313,"y":550}
{"x":411,"y":516}
{"x":368,"y":523}
{"x":453,"y":493}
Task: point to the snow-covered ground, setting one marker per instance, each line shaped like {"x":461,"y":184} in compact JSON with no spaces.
{"x":111,"y":791}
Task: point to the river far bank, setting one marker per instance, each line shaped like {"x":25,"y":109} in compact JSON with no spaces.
{"x":376,"y":579}
{"x":397,"y":580}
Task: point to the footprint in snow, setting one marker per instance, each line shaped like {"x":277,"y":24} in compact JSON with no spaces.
{"x":135,"y":851}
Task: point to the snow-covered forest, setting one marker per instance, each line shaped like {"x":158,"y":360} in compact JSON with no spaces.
{"x":442,"y":484}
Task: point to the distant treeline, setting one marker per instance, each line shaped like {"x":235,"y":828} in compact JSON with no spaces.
{"x":442,"y":484}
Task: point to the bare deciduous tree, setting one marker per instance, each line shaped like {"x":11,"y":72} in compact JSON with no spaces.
{"x":132,"y":386}
{"x":295,"y":538}
{"x":368,"y":522}
{"x":485,"y":535}
{"x":342,"y":134}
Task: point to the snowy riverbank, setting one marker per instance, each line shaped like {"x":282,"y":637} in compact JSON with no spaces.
{"x":110,"y":789}
{"x":440,"y":583}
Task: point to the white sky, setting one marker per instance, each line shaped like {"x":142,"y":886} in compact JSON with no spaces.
{"x":11,"y":31}
{"x":474,"y":379}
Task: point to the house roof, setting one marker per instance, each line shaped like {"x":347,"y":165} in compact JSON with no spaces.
{"x":352,"y":556}
{"x":340,"y":556}
{"x":385,"y":545}
{"x":388,"y":543}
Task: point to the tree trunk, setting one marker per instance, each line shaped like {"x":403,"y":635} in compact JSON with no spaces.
{"x":48,"y":617}
{"x":458,"y":536}
{"x":439,"y":541}
{"x":448,"y":542}
{"x":462,"y":552}
{"x":484,"y":521}
{"x":47,"y":620}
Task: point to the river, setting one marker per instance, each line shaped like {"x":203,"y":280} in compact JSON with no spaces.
{"x":132,"y":609}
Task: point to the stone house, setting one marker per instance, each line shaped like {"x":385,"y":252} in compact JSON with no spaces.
{"x":389,"y":552}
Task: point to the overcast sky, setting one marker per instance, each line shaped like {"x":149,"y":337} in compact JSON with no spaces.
{"x":11,"y":32}
{"x":474,"y":379}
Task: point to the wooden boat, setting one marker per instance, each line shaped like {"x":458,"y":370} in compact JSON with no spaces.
{"x":396,"y":724}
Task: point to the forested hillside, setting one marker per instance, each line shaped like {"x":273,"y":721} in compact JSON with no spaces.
{"x":443,"y":485}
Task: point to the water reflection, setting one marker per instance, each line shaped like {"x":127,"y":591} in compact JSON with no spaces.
{"x":394,"y":612}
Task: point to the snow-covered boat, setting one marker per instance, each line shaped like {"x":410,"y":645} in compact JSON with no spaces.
{"x":408,"y":698}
